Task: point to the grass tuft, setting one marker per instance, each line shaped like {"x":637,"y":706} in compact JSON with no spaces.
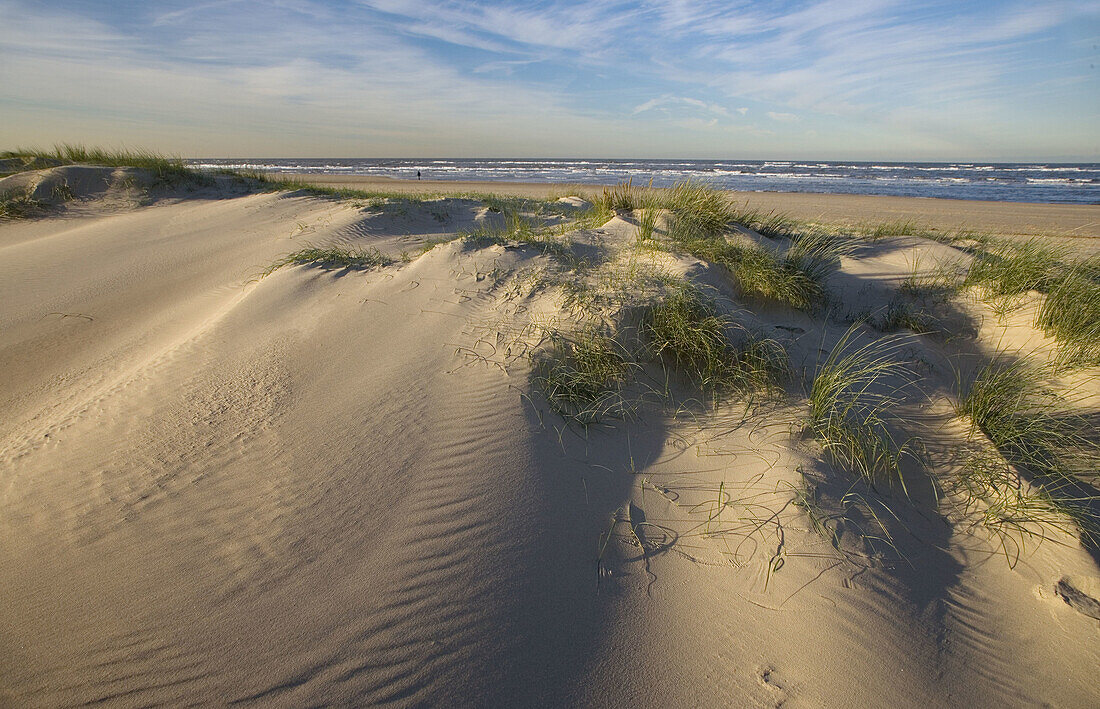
{"x":627,"y":196}
{"x":900,"y":227}
{"x":1071,"y":312}
{"x":1012,"y":403}
{"x":993,"y":496}
{"x":596,"y":215}
{"x":1004,"y":269}
{"x":773,"y":225}
{"x":582,"y":375}
{"x":647,"y":222}
{"x":697,"y":209}
{"x":520,"y":230}
{"x":849,"y":403}
{"x":901,"y":313}
{"x":795,"y":278}
{"x":19,"y":204}
{"x":165,"y":168}
{"x":332,"y":258}
{"x":685,"y":329}
{"x":815,"y":254}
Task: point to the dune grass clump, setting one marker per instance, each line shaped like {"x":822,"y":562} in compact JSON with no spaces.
{"x":538,"y":209}
{"x":795,"y":278}
{"x":701,"y":214}
{"x":1029,"y":423}
{"x":697,"y":209}
{"x":815,"y":254}
{"x":762,"y":364}
{"x":685,"y":329}
{"x":994,"y":496}
{"x":502,"y":204}
{"x":850,"y":399}
{"x":164,"y":167}
{"x":689,"y":333}
{"x":335,"y":257}
{"x":582,"y":374}
{"x":647,"y":223}
{"x":19,"y":204}
{"x":1007,"y":269}
{"x":598,"y":214}
{"x":773,"y":225}
{"x":899,"y":227}
{"x":627,"y":196}
{"x":1033,"y":429}
{"x":694,"y":208}
{"x":1071,"y":312}
{"x":901,"y":313}
{"x":763,"y":275}
{"x":938,"y":284}
{"x":520,"y":230}
{"x":759,"y":273}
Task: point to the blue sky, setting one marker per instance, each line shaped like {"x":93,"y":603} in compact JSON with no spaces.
{"x":825,"y":79}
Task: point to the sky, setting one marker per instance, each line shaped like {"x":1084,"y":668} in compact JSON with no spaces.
{"x":812,"y":79}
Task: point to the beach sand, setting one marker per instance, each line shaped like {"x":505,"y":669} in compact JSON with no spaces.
{"x":1011,"y":218}
{"x":340,"y":487}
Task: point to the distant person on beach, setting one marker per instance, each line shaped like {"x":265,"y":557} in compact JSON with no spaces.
{"x":418,"y":174}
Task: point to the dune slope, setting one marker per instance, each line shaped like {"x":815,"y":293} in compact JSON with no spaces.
{"x":333,"y":486}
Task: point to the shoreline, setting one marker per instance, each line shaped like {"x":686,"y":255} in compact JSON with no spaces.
{"x":1010,"y":218}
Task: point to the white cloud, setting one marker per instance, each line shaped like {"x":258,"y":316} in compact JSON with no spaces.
{"x":581,"y":27}
{"x":782,"y":117}
{"x":667,"y":103}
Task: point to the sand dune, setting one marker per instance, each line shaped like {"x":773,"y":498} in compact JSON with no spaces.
{"x":339,"y":487}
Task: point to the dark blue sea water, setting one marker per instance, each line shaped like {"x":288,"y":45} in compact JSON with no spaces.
{"x":1000,"y":182}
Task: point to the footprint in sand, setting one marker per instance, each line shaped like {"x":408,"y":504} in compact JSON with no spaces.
{"x":769,"y":679}
{"x":1081,"y":593}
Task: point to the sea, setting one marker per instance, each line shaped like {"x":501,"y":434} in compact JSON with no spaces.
{"x":1064,"y":183}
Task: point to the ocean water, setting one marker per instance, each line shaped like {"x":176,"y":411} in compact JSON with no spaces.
{"x":1077,"y":183}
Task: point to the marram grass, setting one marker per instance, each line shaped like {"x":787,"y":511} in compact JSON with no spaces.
{"x":698,"y":209}
{"x":795,"y":278}
{"x":686,"y":330}
{"x":1011,"y":402}
{"x":520,"y":230}
{"x":335,"y":257}
{"x":1004,"y":269}
{"x":1071,"y":312}
{"x":163,"y":166}
{"x":19,"y":204}
{"x":990,"y":494}
{"x":850,"y":400}
{"x":582,"y":374}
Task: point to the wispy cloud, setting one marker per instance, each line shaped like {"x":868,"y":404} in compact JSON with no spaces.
{"x":682,"y":102}
{"x":934,"y":78}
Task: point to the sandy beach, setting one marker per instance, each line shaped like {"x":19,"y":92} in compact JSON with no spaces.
{"x":230,"y":478}
{"x":1017,"y":218}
